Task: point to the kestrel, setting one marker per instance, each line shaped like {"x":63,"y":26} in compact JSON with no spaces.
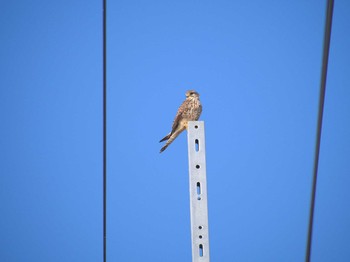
{"x":190,"y":110}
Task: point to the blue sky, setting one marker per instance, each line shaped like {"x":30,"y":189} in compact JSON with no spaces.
{"x":257,"y":67}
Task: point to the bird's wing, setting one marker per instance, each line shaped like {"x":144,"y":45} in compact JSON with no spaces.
{"x":179,"y":116}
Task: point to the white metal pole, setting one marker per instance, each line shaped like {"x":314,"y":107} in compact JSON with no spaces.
{"x":198,"y":192}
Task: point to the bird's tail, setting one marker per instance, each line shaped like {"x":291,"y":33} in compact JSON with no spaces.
{"x":171,"y":137}
{"x":167,"y":144}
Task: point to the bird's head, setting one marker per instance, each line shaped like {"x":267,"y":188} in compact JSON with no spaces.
{"x":191,"y":93}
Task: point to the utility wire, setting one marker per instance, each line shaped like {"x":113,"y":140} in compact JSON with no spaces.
{"x":104,"y":130}
{"x":326,"y":44}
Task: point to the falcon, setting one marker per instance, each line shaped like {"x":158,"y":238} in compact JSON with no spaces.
{"x":190,"y":110}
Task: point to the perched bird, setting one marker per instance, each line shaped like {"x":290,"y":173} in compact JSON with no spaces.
{"x":190,"y":110}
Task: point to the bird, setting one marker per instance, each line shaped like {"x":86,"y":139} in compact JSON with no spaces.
{"x":190,"y":110}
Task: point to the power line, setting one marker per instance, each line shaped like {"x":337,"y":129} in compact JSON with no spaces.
{"x":104,"y":130}
{"x":326,"y":44}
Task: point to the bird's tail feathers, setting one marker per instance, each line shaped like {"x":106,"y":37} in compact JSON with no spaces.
{"x":171,"y":138}
{"x":163,"y":148}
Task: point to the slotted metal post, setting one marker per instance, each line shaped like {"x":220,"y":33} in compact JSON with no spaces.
{"x":198,"y":192}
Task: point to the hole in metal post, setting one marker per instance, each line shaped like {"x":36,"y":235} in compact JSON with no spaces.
{"x":200,"y":237}
{"x":200,"y":250}
{"x":196,"y":145}
{"x":198,"y":188}
{"x":200,"y":227}
{"x":198,"y":166}
{"x":196,"y":127}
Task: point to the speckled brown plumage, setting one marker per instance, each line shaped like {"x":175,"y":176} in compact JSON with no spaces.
{"x":190,"y":110}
